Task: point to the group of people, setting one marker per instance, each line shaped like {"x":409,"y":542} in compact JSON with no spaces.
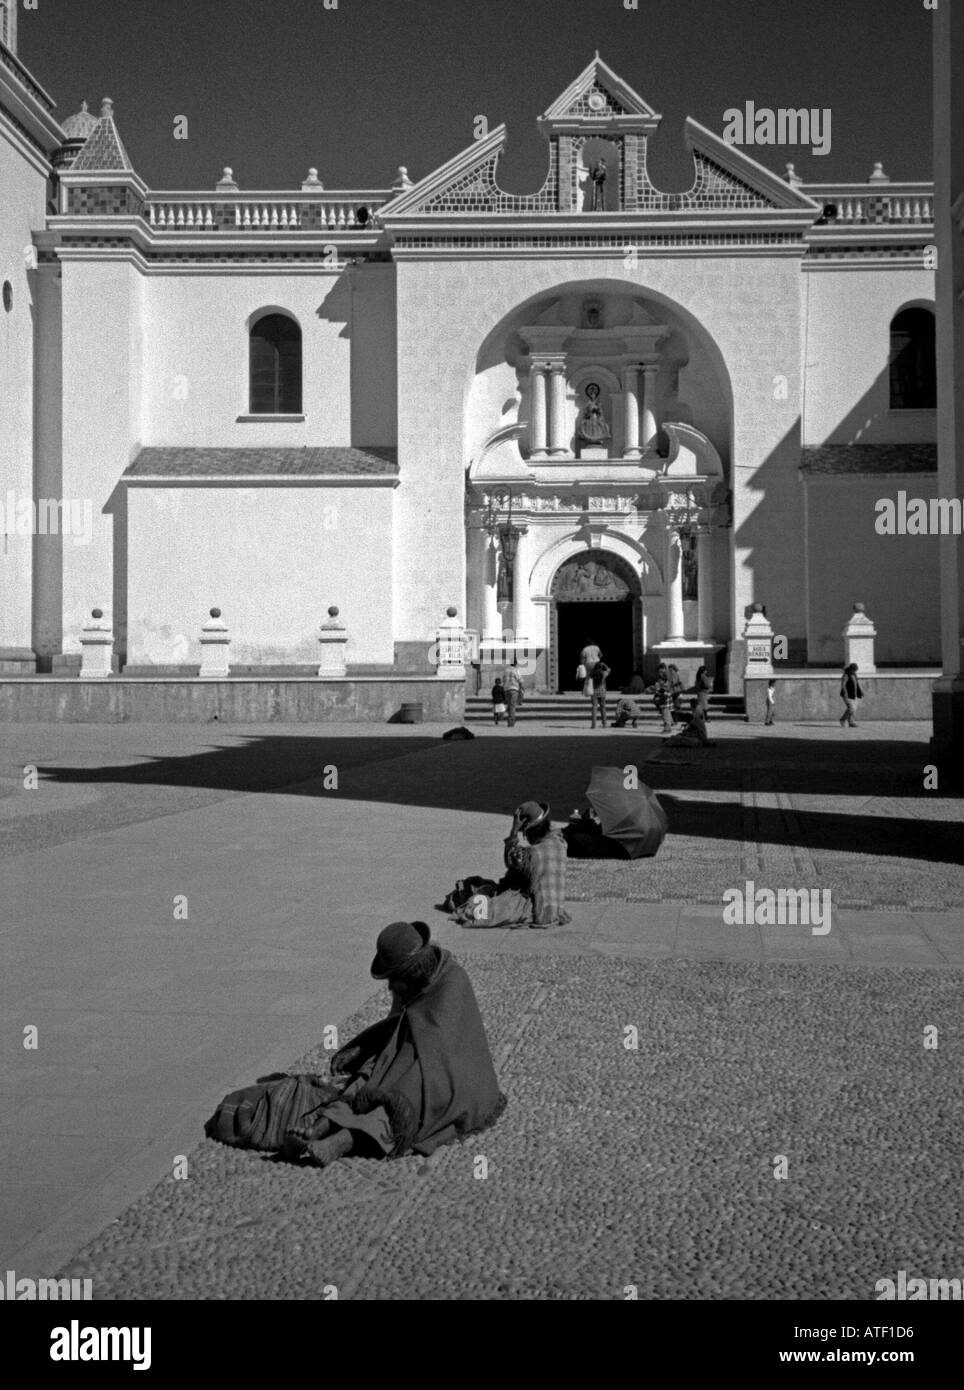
{"x":666,"y":691}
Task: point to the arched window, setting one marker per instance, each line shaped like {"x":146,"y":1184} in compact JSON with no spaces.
{"x":913,"y":374}
{"x":275,"y":366}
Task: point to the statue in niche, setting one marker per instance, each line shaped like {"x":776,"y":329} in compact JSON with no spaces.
{"x":592,"y":314}
{"x":598,"y":175}
{"x":592,"y":423}
{"x":690,"y":567}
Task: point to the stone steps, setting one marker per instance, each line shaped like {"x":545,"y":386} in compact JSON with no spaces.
{"x":574,"y":709}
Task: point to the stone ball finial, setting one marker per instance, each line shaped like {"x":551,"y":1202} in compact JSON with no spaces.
{"x":97,"y":612}
{"x":878,"y":176}
{"x":451,"y":611}
{"x":859,"y":608}
{"x":215,"y":612}
{"x":227,"y":173}
{"x":758,"y":608}
{"x":333,"y":611}
{"x":106,"y":108}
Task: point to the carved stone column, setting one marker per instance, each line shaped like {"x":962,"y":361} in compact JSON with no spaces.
{"x":558,"y":442}
{"x":537,"y":418}
{"x":650,"y":424}
{"x":631,"y":449}
{"x":674,"y":586}
{"x":704,"y":581}
{"x":491,"y":617}
{"x":521,"y":607}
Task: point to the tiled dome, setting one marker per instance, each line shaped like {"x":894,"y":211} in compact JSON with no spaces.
{"x":78,"y":127}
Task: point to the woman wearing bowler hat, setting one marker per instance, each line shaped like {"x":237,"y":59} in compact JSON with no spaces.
{"x":532,"y":892}
{"x":420,"y":1078}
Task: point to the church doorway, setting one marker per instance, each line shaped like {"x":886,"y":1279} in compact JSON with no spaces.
{"x":595,"y":598}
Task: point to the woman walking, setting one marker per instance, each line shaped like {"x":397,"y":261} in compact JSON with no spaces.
{"x":850,"y":693}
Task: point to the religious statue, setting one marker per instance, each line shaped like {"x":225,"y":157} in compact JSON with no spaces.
{"x":690,"y":569}
{"x":588,"y":578}
{"x":592,"y":423}
{"x":598,"y":175}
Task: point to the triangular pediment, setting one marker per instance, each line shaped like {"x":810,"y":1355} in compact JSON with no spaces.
{"x":467,"y":175}
{"x":600,"y":94}
{"x":727,"y":175}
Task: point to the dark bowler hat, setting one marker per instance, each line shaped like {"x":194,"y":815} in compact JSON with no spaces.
{"x":396,"y":945}
{"x":532,"y":813}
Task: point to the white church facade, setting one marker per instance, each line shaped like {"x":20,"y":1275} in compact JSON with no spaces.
{"x":594,"y":411}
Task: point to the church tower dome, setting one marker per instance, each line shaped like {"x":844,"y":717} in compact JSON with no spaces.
{"x":77,"y":128}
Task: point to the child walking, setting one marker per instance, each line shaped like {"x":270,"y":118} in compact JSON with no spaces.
{"x":771,"y":700}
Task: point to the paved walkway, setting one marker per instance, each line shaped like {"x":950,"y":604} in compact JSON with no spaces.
{"x":146,"y":1016}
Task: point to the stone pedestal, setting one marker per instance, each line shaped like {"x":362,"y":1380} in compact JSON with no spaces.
{"x":334,"y":639}
{"x":97,"y":647}
{"x":450,"y":646}
{"x":858,"y":638}
{"x":758,"y":636}
{"x":215,"y":642}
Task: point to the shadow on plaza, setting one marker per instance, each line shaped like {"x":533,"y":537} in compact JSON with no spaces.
{"x":493,"y":774}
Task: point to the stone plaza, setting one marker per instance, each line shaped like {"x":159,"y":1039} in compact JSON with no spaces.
{"x":611,"y":1168}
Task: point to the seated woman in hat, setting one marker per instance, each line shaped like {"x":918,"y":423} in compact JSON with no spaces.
{"x":420,"y":1078}
{"x":532,"y":893}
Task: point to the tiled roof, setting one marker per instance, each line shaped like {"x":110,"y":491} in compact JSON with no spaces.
{"x":869,"y":458}
{"x":103,"y":149}
{"x":241,"y":463}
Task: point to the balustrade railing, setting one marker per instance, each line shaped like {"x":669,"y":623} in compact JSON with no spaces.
{"x":333,"y":212}
{"x":888,"y":205}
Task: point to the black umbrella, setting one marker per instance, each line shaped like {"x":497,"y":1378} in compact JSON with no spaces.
{"x":630,"y":815}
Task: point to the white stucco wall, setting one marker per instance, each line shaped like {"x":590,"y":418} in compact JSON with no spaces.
{"x":102,"y":423}
{"x":734,"y":300}
{"x":196,"y":344}
{"x":272,"y":558}
{"x":897,"y":578}
{"x":848,"y":315}
{"x":23,"y":207}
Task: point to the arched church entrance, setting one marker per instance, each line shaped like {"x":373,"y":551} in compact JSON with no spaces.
{"x":595,"y":598}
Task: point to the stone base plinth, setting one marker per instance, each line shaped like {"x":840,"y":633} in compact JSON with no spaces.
{"x":806,"y":695}
{"x":947,"y":743}
{"x":160,"y":700}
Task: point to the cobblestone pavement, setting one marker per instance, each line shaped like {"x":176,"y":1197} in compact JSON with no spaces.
{"x":145,"y":1021}
{"x":653,"y":1168}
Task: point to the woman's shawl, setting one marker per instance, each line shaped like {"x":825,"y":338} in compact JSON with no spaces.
{"x":451,"y":1083}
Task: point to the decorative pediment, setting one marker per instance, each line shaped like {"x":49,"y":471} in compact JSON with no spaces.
{"x":599,"y":97}
{"x":599,"y":105}
{"x":727,"y":177}
{"x":467,"y":184}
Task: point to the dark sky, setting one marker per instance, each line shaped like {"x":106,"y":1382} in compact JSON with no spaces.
{"x":273,"y":86}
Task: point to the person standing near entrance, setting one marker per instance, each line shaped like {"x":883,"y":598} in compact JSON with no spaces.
{"x":662,"y":697}
{"x":589,"y":658}
{"x":598,"y":692}
{"x":850,"y":693}
{"x":513,"y":692}
{"x":701,"y":688}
